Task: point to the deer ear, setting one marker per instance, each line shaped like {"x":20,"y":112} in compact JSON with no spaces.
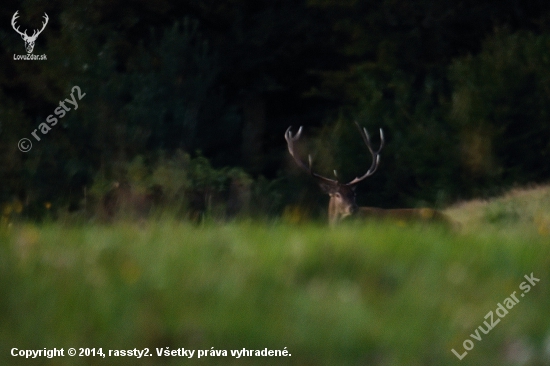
{"x":327,"y":188}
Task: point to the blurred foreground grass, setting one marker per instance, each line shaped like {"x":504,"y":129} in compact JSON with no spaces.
{"x":362,"y":294}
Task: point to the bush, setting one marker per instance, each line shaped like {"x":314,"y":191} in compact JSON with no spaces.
{"x":188,"y":187}
{"x":501,"y":106}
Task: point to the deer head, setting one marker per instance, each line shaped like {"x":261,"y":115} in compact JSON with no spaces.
{"x":29,"y":40}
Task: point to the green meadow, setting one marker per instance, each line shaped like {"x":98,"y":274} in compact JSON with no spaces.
{"x":376,"y":293}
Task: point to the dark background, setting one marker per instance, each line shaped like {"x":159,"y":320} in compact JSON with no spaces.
{"x":187,"y":102}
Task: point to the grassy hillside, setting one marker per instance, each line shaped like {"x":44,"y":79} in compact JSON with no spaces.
{"x":375,"y":294}
{"x":519,"y":209}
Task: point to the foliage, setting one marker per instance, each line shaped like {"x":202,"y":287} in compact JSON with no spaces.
{"x":181,"y":185}
{"x":501,"y":105}
{"x":528,"y":208}
{"x":175,"y":100}
{"x":380,"y":294}
{"x":461,"y":92}
{"x":419,"y":160}
{"x":479,"y":129}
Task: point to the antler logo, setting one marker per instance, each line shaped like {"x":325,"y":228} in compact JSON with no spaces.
{"x":29,"y":40}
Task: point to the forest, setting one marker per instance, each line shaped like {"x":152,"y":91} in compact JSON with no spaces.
{"x":185,"y":104}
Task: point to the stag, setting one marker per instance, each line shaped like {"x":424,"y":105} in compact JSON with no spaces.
{"x":342,"y":195}
{"x":29,"y":40}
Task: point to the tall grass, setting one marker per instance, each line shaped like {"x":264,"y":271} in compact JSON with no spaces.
{"x":361,"y":294}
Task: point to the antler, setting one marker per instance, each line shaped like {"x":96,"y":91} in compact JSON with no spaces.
{"x":44,"y":23}
{"x":290,"y":143}
{"x":35,"y":33}
{"x":366,"y":138}
{"x":15,"y":16}
{"x":375,"y":154}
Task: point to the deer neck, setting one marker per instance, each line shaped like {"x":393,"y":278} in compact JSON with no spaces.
{"x":333,"y":214}
{"x":336,"y":212}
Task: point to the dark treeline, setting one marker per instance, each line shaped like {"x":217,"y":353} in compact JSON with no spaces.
{"x":186,"y":102}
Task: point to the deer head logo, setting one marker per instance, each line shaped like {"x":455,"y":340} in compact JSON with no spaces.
{"x":29,"y":40}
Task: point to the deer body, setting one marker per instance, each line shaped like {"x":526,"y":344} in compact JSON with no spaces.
{"x":401,"y":214}
{"x":342,"y":195}
{"x":342,"y":204}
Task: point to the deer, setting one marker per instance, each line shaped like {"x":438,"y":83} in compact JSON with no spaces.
{"x":342,"y":195}
{"x":29,"y":40}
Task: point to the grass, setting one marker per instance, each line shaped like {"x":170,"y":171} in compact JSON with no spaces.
{"x":362,"y":294}
{"x":519,"y":209}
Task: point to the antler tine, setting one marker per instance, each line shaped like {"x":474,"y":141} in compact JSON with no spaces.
{"x":375,"y":154}
{"x":366,"y":138}
{"x":290,"y":144}
{"x":14,"y":17}
{"x":16,"y":28}
{"x":44,"y":23}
